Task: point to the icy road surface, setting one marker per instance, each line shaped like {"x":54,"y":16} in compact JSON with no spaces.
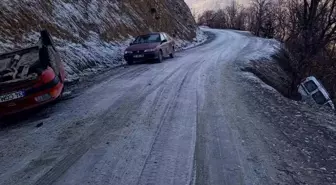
{"x":182,"y":121}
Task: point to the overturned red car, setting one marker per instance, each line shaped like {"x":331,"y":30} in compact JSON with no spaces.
{"x":30,"y":77}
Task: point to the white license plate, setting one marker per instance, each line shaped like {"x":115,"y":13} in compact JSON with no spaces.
{"x":11,"y":96}
{"x":138,"y":56}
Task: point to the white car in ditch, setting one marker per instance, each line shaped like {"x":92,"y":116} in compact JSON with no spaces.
{"x":311,"y":88}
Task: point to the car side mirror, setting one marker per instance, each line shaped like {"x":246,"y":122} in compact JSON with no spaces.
{"x":131,"y":44}
{"x":163,"y":41}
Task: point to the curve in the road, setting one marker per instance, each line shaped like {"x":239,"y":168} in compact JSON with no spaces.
{"x":164,"y":123}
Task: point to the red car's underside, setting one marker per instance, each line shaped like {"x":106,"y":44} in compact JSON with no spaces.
{"x":30,"y":77}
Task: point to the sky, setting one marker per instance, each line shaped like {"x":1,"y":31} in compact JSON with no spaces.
{"x":198,"y":6}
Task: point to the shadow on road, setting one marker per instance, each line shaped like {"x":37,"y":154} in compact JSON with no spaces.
{"x":18,"y":119}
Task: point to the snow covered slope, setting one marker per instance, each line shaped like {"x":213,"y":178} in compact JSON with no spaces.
{"x":93,"y":32}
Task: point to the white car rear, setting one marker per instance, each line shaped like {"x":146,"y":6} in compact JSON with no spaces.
{"x":312,"y":88}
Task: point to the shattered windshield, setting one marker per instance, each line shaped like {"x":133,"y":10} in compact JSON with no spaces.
{"x":147,"y":39}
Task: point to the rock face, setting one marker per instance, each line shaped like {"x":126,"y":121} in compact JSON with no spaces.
{"x":90,"y":32}
{"x":110,"y":19}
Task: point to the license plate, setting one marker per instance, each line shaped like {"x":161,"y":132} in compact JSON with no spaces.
{"x":138,"y":56}
{"x":11,"y":96}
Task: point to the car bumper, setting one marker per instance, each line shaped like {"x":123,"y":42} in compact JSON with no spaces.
{"x":35,"y":97}
{"x":146,"y":56}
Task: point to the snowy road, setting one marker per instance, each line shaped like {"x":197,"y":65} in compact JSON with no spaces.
{"x":178,"y":122}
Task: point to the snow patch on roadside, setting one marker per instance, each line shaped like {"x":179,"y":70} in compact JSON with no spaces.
{"x":263,"y":48}
{"x":30,"y":39}
{"x":94,"y":54}
{"x":200,"y":38}
{"x":258,"y":60}
{"x":7,"y":44}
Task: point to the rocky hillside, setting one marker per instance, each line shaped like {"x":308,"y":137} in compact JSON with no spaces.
{"x":91,"y":32}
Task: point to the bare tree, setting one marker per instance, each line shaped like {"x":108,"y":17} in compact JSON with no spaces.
{"x":207,"y":18}
{"x":232,"y":12}
{"x":221,"y":19}
{"x":261,"y":8}
{"x":313,"y":25}
{"x":233,"y":16}
{"x":280,"y":19}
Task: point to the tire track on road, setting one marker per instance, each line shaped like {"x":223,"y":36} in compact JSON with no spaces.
{"x":130,"y":102}
{"x":153,"y":162}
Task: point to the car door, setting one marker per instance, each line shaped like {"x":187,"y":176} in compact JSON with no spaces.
{"x":170,"y":43}
{"x":164,"y":45}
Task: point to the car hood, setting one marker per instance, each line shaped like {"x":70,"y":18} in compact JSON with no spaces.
{"x":143,"y":46}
